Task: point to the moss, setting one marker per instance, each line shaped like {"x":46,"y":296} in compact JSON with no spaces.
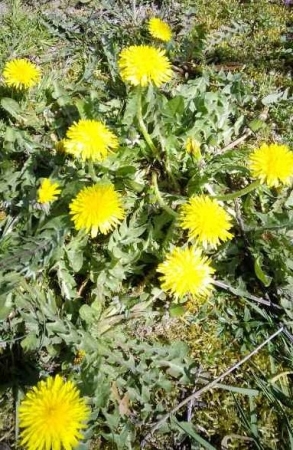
{"x":216,"y":411}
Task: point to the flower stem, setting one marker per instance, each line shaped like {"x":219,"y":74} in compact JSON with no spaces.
{"x":159,"y":197}
{"x":239,"y":193}
{"x":142,"y":126}
{"x":91,"y":171}
{"x":16,"y":394}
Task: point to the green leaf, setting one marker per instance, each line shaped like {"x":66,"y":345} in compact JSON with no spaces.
{"x":83,"y":445}
{"x":60,"y":94}
{"x":130,"y":110}
{"x":177,"y":311}
{"x":174,"y":107}
{"x":289,"y":201}
{"x":6,"y":306}
{"x":4,"y":311}
{"x":275,"y":97}
{"x":11,"y":134}
{"x":87,"y":314}
{"x":256,"y":125}
{"x":30,"y":342}
{"x":265,"y":279}
{"x":66,"y":281}
{"x":290,"y":438}
{"x":81,"y":107}
{"x":11,"y":106}
{"x":238,"y":390}
{"x":75,"y":258}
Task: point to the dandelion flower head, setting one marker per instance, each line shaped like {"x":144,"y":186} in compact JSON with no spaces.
{"x":59,"y":146}
{"x":79,"y":357}
{"x":21,"y":74}
{"x":48,"y":191}
{"x":52,"y":415}
{"x":272,"y":164}
{"x":141,"y":65}
{"x":192,"y":146}
{"x":159,"y":29}
{"x":89,"y":140}
{"x":206,"y":221}
{"x":186,"y":271}
{"x":97,"y":208}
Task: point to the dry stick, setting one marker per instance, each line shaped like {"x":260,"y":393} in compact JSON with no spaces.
{"x":134,"y":10}
{"x":211,"y":384}
{"x":82,"y":286}
{"x":246,"y":295}
{"x":192,"y":401}
{"x":289,"y":335}
{"x":238,"y":141}
{"x":190,"y":408}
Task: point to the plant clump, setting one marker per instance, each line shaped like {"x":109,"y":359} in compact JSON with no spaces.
{"x":146,"y":225}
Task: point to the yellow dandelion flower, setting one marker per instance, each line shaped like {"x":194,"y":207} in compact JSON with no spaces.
{"x":48,"y":191}
{"x":141,"y":65}
{"x":272,"y":164}
{"x":192,"y":146}
{"x":159,"y":29}
{"x":89,"y":139}
{"x":21,"y":74}
{"x":205,"y":220}
{"x":79,"y":356}
{"x":52,"y":415}
{"x":59,"y":146}
{"x":97,"y":208}
{"x":186,"y":271}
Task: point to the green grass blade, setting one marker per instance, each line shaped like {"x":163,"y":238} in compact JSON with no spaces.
{"x":188,"y":429}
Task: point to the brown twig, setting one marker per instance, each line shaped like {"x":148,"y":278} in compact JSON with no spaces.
{"x":237,"y":142}
{"x":261,"y":300}
{"x":82,"y":286}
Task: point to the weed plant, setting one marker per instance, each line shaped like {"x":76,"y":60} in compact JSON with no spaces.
{"x":176,"y":329}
